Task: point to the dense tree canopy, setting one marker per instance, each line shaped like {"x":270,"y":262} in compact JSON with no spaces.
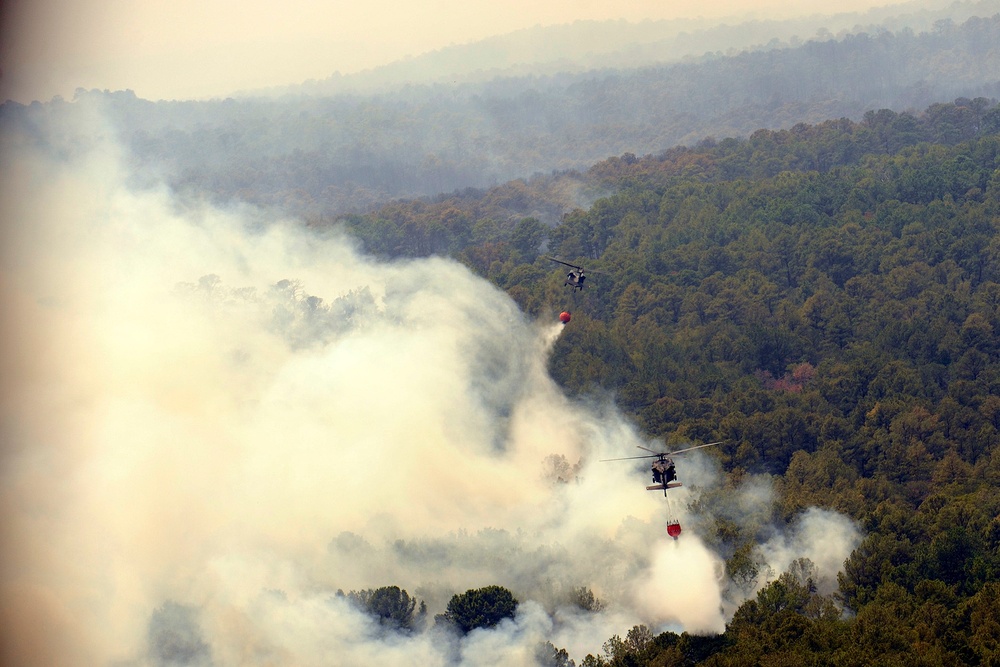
{"x":480,"y":608}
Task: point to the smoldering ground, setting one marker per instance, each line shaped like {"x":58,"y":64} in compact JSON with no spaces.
{"x":213,"y":423}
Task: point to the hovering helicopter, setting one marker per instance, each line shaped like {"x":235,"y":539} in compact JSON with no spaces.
{"x":664,"y":477}
{"x":575,"y":277}
{"x":664,"y":474}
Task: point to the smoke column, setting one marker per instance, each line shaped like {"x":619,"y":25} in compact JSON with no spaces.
{"x":212,"y":422}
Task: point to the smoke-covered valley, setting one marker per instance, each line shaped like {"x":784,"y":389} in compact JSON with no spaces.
{"x":214,"y":420}
{"x":324,"y":151}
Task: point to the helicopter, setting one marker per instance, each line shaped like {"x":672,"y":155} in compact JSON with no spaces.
{"x":665,"y":477}
{"x":664,"y":474}
{"x":575,"y":277}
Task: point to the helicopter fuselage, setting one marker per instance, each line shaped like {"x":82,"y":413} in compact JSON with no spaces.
{"x":575,"y":279}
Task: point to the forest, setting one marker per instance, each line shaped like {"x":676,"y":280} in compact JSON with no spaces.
{"x":825,"y":300}
{"x":346,"y":153}
{"x":786,"y":257}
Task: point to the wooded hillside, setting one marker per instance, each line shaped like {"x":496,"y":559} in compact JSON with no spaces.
{"x":826,"y":301}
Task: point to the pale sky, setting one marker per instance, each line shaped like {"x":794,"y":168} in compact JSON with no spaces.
{"x":167,"y":49}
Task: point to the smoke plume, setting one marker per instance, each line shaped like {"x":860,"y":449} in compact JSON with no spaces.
{"x":213,"y":422}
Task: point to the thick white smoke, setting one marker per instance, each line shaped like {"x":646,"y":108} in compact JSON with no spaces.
{"x":225,"y":414}
{"x":821,"y":536}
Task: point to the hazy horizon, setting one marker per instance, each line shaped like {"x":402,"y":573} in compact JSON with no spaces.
{"x":188,"y":50}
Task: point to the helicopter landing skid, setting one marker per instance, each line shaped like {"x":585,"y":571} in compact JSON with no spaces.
{"x":663,"y":487}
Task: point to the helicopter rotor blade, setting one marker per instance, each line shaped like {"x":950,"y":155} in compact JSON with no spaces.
{"x":688,"y":449}
{"x":651,"y":451}
{"x":629,"y":458}
{"x":572,"y":266}
{"x":663,"y":454}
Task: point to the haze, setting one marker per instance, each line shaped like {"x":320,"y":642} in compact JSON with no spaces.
{"x":185,"y":49}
